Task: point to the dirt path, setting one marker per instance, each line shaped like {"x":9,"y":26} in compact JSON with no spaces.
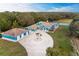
{"x":35,"y":44}
{"x":75,"y":43}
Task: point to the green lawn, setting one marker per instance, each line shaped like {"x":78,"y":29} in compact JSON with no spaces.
{"x":65,"y":20}
{"x":8,"y":48}
{"x":62,"y":44}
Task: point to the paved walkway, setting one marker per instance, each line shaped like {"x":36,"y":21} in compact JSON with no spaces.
{"x":37,"y":43}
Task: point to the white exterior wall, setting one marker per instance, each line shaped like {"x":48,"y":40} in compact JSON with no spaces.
{"x":64,"y":24}
{"x":22,"y":36}
{"x":56,"y":25}
{"x":18,"y":38}
{"x":8,"y":39}
{"x":27,"y":33}
{"x":45,"y":30}
{"x":30,"y":32}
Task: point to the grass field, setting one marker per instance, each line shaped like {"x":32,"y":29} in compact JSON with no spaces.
{"x":62,"y":44}
{"x":8,"y":48}
{"x":65,"y":20}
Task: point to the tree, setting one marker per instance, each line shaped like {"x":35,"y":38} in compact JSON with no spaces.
{"x":74,"y":27}
{"x":5,"y":23}
{"x":15,"y":24}
{"x":25,"y":19}
{"x":51,"y":19}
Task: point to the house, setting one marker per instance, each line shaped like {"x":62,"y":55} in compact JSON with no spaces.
{"x":32,"y":28}
{"x":15,"y":34}
{"x":18,"y":33}
{"x":46,"y":26}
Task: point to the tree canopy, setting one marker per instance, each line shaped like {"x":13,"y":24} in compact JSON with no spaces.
{"x":13,"y":19}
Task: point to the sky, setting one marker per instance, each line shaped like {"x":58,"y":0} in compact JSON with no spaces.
{"x":40,"y":7}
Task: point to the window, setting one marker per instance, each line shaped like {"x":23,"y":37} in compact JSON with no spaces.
{"x":20,"y":36}
{"x":25,"y":33}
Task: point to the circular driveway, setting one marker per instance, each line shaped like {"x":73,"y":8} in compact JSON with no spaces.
{"x":37,"y":43}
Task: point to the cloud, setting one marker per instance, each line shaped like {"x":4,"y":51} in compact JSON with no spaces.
{"x":29,"y":7}
{"x":71,"y":8}
{"x":17,"y":7}
{"x":61,"y":9}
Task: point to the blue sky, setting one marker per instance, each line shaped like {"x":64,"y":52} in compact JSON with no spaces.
{"x":40,"y":7}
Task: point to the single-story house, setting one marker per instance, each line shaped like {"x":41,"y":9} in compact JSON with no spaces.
{"x":19,"y":33}
{"x":32,"y":28}
{"x":15,"y":34}
{"x":46,"y":26}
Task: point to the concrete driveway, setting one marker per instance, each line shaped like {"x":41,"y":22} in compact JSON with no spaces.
{"x":37,"y":43}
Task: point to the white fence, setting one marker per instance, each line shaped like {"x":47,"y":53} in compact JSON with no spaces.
{"x":64,"y":24}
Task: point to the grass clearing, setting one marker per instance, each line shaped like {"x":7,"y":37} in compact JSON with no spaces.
{"x":8,"y":48}
{"x":65,"y":20}
{"x":62,"y":44}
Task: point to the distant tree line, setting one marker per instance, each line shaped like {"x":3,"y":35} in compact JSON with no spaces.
{"x":13,"y":19}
